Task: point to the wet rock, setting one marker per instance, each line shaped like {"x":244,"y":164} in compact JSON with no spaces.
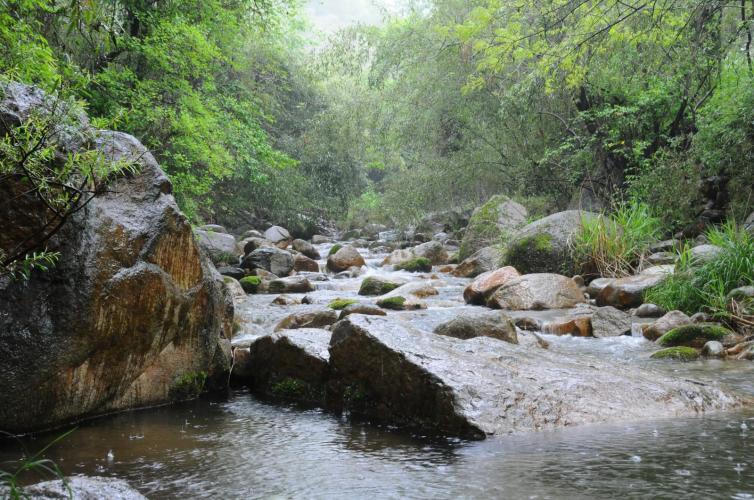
{"x":360,"y":308}
{"x":528,"y":324}
{"x":491,"y":224}
{"x":292,"y":284}
{"x":277,"y":235}
{"x":434,"y":251}
{"x":308,"y":319}
{"x":242,"y":366}
{"x":419,"y":289}
{"x":693,"y":335}
{"x":493,"y":324}
{"x":610,"y":322}
{"x":415,"y":265}
{"x":705,"y":253}
{"x":232,"y":271}
{"x":319,"y":239}
{"x":306,"y":248}
{"x":399,"y":303}
{"x":251,"y":284}
{"x":537,"y":291}
{"x":302,"y":263}
{"x":544,"y":245}
{"x":285,"y":300}
{"x":649,"y":311}
{"x":251,"y":244}
{"x":485,"y":284}
{"x":628,"y":292}
{"x":713,"y":349}
{"x":481,"y":386}
{"x":345,"y":258}
{"x":680,"y":353}
{"x":576,"y":326}
{"x":375,"y":285}
{"x":277,"y":261}
{"x":484,"y":260}
{"x":291,"y":364}
{"x":220,"y":247}
{"x":81,"y":488}
{"x":597,"y":285}
{"x":669,"y":321}
{"x":234,"y":287}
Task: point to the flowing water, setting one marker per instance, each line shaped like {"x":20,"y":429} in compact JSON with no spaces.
{"x":242,"y":447}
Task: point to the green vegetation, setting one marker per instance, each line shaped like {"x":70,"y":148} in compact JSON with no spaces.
{"x":291,"y":388}
{"x":677,"y":353}
{"x":395,"y":303}
{"x":374,"y":286}
{"x":250,"y":284}
{"x":339,"y":304}
{"x":334,"y":249}
{"x":693,"y":335}
{"x":417,"y":265}
{"x":705,"y":286}
{"x":189,"y":385}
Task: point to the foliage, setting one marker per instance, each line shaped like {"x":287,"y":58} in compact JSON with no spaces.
{"x":189,"y":385}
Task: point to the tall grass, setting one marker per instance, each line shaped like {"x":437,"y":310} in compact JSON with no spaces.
{"x":704,"y":286}
{"x":613,"y":245}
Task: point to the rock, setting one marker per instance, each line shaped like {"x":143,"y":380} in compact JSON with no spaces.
{"x":285,"y":300}
{"x":713,"y":349}
{"x":360,"y":308}
{"x":277,"y":261}
{"x":705,"y":253}
{"x":486,"y":259}
{"x":597,"y":285}
{"x":677,"y":353}
{"x":579,"y":280}
{"x":374,"y":285}
{"x":415,"y":265}
{"x":292,"y":284}
{"x":434,"y":251}
{"x":251,"y":284}
{"x":670,"y":246}
{"x":251,"y":244}
{"x":241,"y":372}
{"x":319,"y":239}
{"x":277,"y":234}
{"x":649,"y":311}
{"x":306,"y":248}
{"x":253,"y":233}
{"x":291,"y":364}
{"x":441,"y":237}
{"x":481,"y":386}
{"x":344,"y":258}
{"x":693,"y":335}
{"x":131,"y":311}
{"x":701,"y":317}
{"x":399,"y":303}
{"x":419,"y":289}
{"x":372,"y":230}
{"x":661,"y":258}
{"x":537,"y":291}
{"x":302,"y":263}
{"x":528,"y":324}
{"x":492,"y":224}
{"x":493,"y":324}
{"x":669,"y":321}
{"x":610,"y":322}
{"x":234,"y":287}
{"x":741,"y":294}
{"x":398,"y":256}
{"x":234,"y":272}
{"x":308,"y":319}
{"x":544,"y":245}
{"x":215,"y":228}
{"x":749,"y":223}
{"x":485,"y":284}
{"x":576,"y":326}
{"x":220,"y":247}
{"x":628,"y":292}
{"x":81,"y":488}
{"x":445,"y":221}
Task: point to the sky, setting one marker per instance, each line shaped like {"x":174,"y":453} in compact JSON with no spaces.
{"x":331,"y":15}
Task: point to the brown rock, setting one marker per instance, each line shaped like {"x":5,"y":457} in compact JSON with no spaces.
{"x":344,"y":259}
{"x":485,"y":284}
{"x":302,"y":263}
{"x":671,"y":320}
{"x":537,"y":291}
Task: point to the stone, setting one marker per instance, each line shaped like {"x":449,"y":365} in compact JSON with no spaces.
{"x":701,"y":317}
{"x":81,"y":488}
{"x":610,"y":322}
{"x":537,"y":291}
{"x":693,"y":335}
{"x":713,"y":349}
{"x":232,"y":271}
{"x":221,"y":247}
{"x":375,"y":285}
{"x":242,"y":368}
{"x":398,"y":256}
{"x":308,"y":319}
{"x":434,"y":251}
{"x":234,"y":287}
{"x":528,"y":324}
{"x":319,"y":239}
{"x":705,"y":253}
{"x":597,"y":285}
{"x":485,"y":260}
{"x":445,"y":221}
{"x":544,"y":246}
{"x":291,"y":364}
{"x":394,"y":373}
{"x":671,"y":320}
{"x":292,"y":284}
{"x":215,"y":228}
{"x":485,"y":284}
{"x":251,"y":244}
{"x":576,"y":326}
{"x":277,"y":234}
{"x":251,"y":284}
{"x":306,"y":248}
{"x":660,"y":258}
{"x":419,"y":289}
{"x":345,"y":258}
{"x":399,"y":303}
{"x":677,"y":353}
{"x":286,"y":300}
{"x":130,"y":312}
{"x":272,"y":259}
{"x":492,"y":224}
{"x":415,"y":265}
{"x":302,"y":263}
{"x":360,"y":308}
{"x":625,"y":293}
{"x":749,"y":223}
{"x":253,"y":233}
{"x":493,"y":324}
{"x":649,"y":311}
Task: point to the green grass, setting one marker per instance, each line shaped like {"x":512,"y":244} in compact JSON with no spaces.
{"x":613,"y":244}
{"x":705,"y":286}
{"x":417,"y":265}
{"x":693,"y":334}
{"x":340,"y":304}
{"x":677,"y":353}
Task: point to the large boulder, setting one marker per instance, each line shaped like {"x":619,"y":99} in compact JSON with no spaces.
{"x":345,"y":258}
{"x":80,"y":488}
{"x":292,"y":284}
{"x":306,"y":248}
{"x":447,"y":221}
{"x":484,"y":260}
{"x":221,"y":247}
{"x":610,"y":322}
{"x":308,"y":319}
{"x":434,"y":251}
{"x":302,"y":263}
{"x":663,"y":325}
{"x":132,"y":315}
{"x":493,"y":324}
{"x":492,"y":224}
{"x":272,"y":259}
{"x":537,"y":291}
{"x":485,"y":284}
{"x":391,"y":372}
{"x":277,"y":235}
{"x":629,"y":292}
{"x":544,"y":246}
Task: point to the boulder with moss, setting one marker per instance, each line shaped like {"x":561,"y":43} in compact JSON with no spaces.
{"x":373,"y":285}
{"x":308,"y":319}
{"x":292,"y":284}
{"x":339,"y":304}
{"x":485,"y":260}
{"x":493,"y":324}
{"x":694,"y":335}
{"x":415,"y":265}
{"x":680,"y":353}
{"x":491,"y":224}
{"x":250,"y":284}
{"x":344,"y":258}
{"x":485,"y":284}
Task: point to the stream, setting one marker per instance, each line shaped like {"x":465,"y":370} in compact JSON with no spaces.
{"x":239,"y":446}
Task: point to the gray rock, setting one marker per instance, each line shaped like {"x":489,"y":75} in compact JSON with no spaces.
{"x":220,"y":247}
{"x":485,"y":260}
{"x":713,"y":349}
{"x":492,"y":224}
{"x":537,"y":291}
{"x":610,"y":322}
{"x":479,"y":290}
{"x":277,"y":234}
{"x":232,"y":271}
{"x":319,"y":239}
{"x":597,"y":285}
{"x":649,"y":311}
{"x":482,"y":386}
{"x":215,"y":228}
{"x":432,"y":250}
{"x":344,"y":259}
{"x":749,"y":223}
{"x":277,"y":261}
{"x":705,"y":253}
{"x":308,"y":319}
{"x":628,"y":292}
{"x":360,"y":308}
{"x":493,"y":324}
{"x":661,"y":258}
{"x":306,"y":248}
{"x":671,"y":320}
{"x":82,"y":488}
{"x":302,"y":263}
{"x":252,"y":243}
{"x":292,"y":284}
{"x":234,"y":287}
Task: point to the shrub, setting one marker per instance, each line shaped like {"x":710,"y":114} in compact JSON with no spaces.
{"x":417,"y":265}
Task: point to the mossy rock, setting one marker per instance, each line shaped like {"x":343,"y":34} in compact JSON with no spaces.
{"x":417,"y":265}
{"x":693,"y":335}
{"x":679,"y":353}
{"x":250,"y":284}
{"x":492,"y":224}
{"x":335,"y":249}
{"x":376,"y":286}
{"x":340,"y":304}
{"x":394,"y":303}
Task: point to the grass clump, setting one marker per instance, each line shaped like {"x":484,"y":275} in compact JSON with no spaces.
{"x":678,"y":353}
{"x":394,"y":303}
{"x":417,"y":265}
{"x":250,"y":284}
{"x":613,"y":245}
{"x":340,"y":304}
{"x":334,"y":249}
{"x":693,"y":335}
{"x":705,"y":286}
{"x":374,"y":286}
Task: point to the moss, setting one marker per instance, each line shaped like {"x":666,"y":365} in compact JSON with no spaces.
{"x":335,"y":249}
{"x":454,"y":258}
{"x":289,"y":388}
{"x":680,"y":353}
{"x":250,"y":283}
{"x":374,"y":286}
{"x":189,"y":385}
{"x":395,"y":303}
{"x":419,"y":264}
{"x":339,"y":304}
{"x":693,"y":335}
